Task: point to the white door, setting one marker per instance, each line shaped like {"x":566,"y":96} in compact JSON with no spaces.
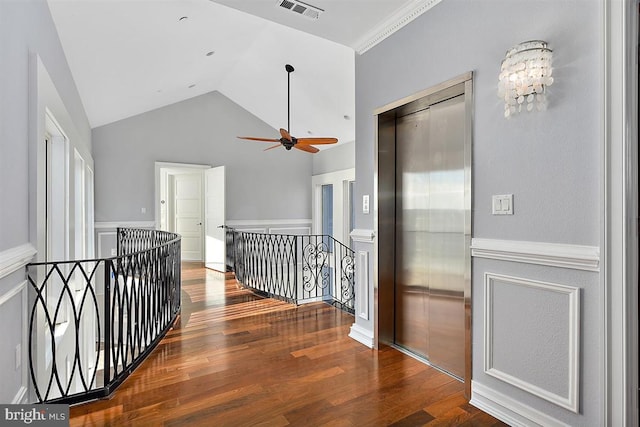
{"x":215,"y":245}
{"x":188,"y":214}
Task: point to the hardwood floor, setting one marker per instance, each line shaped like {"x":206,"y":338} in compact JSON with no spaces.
{"x":234,"y":359}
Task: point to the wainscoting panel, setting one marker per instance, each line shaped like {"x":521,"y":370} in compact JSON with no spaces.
{"x":532,"y":337}
{"x":509,"y":410}
{"x":107,"y":244}
{"x":252,"y":230}
{"x":13,"y":314}
{"x":362,"y":285}
{"x":290,"y":230}
{"x":272,"y":226}
{"x":124,"y":224}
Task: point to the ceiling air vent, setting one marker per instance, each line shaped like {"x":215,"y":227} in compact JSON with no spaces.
{"x":301,"y":8}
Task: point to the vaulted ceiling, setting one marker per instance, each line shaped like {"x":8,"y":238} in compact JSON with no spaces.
{"x":131,"y":56}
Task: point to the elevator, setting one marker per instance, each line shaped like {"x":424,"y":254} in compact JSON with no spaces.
{"x":423,"y":224}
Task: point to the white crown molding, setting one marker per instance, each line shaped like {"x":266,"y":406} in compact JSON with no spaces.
{"x":15,"y":258}
{"x":551,"y":254}
{"x":508,"y":409}
{"x":393,"y":23}
{"x":265,"y":222}
{"x":362,"y":335}
{"x":571,"y":400}
{"x":362,"y":235}
{"x":127,"y":224}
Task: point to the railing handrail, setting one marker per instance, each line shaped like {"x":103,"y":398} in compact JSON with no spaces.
{"x":294,"y":267}
{"x":111,"y":258}
{"x":139,"y":283}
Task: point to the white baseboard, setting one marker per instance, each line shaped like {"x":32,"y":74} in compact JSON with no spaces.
{"x":509,"y":410}
{"x":14,"y":259}
{"x":363,"y":336}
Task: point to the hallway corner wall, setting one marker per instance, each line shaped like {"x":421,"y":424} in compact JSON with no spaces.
{"x":542,"y":262}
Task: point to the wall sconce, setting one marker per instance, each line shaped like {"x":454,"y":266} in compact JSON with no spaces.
{"x":524,"y":75}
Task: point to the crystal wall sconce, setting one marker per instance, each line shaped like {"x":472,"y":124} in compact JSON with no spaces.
{"x":524,"y":75}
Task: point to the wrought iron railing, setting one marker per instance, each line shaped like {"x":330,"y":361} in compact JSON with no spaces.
{"x":294,"y":268}
{"x":92,"y":322}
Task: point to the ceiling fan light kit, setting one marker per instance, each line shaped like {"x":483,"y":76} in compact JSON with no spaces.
{"x":286,"y":140}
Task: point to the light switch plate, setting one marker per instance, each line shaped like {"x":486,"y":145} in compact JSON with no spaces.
{"x":502,"y":204}
{"x":365,"y":204}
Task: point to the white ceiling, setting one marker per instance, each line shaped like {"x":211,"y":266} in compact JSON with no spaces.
{"x":131,"y":56}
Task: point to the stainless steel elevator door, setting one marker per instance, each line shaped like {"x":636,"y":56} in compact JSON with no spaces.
{"x":430,"y":234}
{"x":412,"y":204}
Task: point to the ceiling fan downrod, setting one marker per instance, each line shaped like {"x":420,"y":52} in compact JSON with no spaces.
{"x":290,"y":70}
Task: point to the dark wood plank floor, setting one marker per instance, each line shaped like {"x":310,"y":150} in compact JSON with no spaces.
{"x":234,"y":359}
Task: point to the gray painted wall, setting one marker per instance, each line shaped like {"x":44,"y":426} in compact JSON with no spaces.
{"x":549,"y":161}
{"x":26,"y":32}
{"x":202,"y":130}
{"x":26,"y":27}
{"x":335,"y":159}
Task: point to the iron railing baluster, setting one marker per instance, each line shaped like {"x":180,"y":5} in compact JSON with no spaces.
{"x":294,"y":268}
{"x":141,"y":297}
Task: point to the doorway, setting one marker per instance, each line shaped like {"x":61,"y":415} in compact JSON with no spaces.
{"x":333,"y":209}
{"x":423,"y":224}
{"x":190,"y":201}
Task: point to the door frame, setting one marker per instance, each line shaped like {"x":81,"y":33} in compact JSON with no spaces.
{"x":162,"y":171}
{"x":383,"y":115}
{"x":55,"y":136}
{"x":619,"y":214}
{"x":210,"y":230}
{"x":340,"y":202}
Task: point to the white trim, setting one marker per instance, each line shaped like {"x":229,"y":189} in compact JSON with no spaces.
{"x":571,"y":400}
{"x":619,"y":203}
{"x":339,"y":180}
{"x":290,"y":230}
{"x":14,"y":259}
{"x":13,"y":292}
{"x":252,"y":230}
{"x":130,"y":224}
{"x":551,"y":254}
{"x":265,"y":222}
{"x":102,"y":234}
{"x":361,"y":235}
{"x":21,"y":288}
{"x":20,"y":396}
{"x":362,"y":285}
{"x":362,"y":335}
{"x":508,"y":409}
{"x":393,"y":23}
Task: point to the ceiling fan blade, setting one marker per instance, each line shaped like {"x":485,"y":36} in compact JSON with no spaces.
{"x":251,"y":138}
{"x":307,"y":148}
{"x":317,"y":140}
{"x":285,"y":134}
{"x":272,"y":147}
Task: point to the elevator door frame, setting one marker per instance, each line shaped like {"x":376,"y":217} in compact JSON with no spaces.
{"x":384,"y":204}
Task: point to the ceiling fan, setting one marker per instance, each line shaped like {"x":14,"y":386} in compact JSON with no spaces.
{"x":286,"y":140}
